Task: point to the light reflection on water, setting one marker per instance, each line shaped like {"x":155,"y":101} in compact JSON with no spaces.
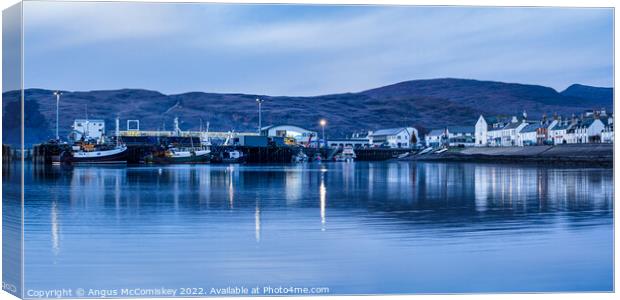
{"x":388,"y":227}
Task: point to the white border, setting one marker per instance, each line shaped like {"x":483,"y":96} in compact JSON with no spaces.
{"x":513,"y":3}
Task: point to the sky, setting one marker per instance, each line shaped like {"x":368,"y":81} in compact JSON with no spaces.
{"x":302,"y":50}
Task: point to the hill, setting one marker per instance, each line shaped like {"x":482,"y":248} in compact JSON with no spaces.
{"x":422,"y":103}
{"x":599,"y":96}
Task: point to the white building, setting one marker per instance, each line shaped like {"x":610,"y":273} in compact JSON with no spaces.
{"x":435,"y":138}
{"x":529,"y":135}
{"x":488,"y":131}
{"x":88,"y":129}
{"x":481,"y":132}
{"x":494,"y":137}
{"x":591,"y":127}
{"x":404,"y":137}
{"x":509,"y":134}
{"x":463,"y":136}
{"x":355,"y":142}
{"x":607,"y":135}
{"x":588,"y":131}
{"x":300,"y":135}
{"x":558,"y":132}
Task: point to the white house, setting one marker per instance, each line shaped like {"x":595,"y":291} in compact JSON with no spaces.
{"x":494,"y":137}
{"x":607,"y":135}
{"x":461,"y":136}
{"x":481,"y":132}
{"x":591,"y":127}
{"x":88,"y":129}
{"x":559,"y":132}
{"x":488,"y":131}
{"x":588,"y":131}
{"x":509,"y":133}
{"x":300,"y":135}
{"x":404,"y":137}
{"x":528,"y":136}
{"x":435,"y":138}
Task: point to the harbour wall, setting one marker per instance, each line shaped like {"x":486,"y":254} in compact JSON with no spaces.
{"x":571,"y":154}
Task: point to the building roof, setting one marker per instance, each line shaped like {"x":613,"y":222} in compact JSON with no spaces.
{"x":436,"y":132}
{"x":282,"y":125}
{"x":561,"y":126}
{"x":492,"y":121}
{"x":605,"y":120}
{"x":88,"y":120}
{"x":532,"y":127}
{"x":512,"y":125}
{"x":587,"y":122}
{"x":496,"y":119}
{"x":389,"y":131}
{"x":461,"y":129}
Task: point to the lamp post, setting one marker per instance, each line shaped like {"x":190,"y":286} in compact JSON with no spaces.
{"x":57,"y":94}
{"x":323,"y":122}
{"x":260,"y":112}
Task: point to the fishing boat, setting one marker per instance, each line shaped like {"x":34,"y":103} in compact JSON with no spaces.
{"x":86,"y":153}
{"x":347,"y":155}
{"x":230,"y":156}
{"x":233,"y":156}
{"x":180,"y":156}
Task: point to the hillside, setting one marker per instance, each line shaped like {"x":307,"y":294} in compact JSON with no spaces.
{"x":422,"y":103}
{"x":597,"y":95}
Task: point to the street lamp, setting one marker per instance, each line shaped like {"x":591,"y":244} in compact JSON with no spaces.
{"x":260,"y":112}
{"x":57,"y":94}
{"x":323,"y":122}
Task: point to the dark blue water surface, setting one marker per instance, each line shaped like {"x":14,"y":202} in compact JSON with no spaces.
{"x":356,"y":228}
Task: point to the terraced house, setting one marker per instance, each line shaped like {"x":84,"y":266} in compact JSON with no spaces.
{"x":590,"y":127}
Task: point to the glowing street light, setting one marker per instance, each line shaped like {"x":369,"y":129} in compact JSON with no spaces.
{"x":260,"y":112}
{"x":57,"y":94}
{"x":323,"y":122}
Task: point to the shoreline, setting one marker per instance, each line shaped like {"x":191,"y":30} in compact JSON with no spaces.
{"x":595,"y":155}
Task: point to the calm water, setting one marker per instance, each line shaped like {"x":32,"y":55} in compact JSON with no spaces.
{"x":360,"y":228}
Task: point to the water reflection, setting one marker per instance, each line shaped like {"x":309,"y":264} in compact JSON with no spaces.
{"x":409,"y":214}
{"x":257,"y":221}
{"x":55,"y":229}
{"x":382,"y":187}
{"x":322,"y":199}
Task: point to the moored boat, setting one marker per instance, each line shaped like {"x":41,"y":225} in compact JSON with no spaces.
{"x":179,"y":156}
{"x":95,"y":154}
{"x":229,"y":156}
{"x":347,"y":155}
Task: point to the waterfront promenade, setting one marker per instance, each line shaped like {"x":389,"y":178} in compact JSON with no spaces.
{"x":594,"y":154}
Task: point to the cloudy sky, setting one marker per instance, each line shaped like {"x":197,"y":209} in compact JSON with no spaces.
{"x":308,"y":50}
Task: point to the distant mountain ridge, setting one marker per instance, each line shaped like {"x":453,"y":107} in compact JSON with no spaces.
{"x":598,"y":94}
{"x":425,"y":104}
